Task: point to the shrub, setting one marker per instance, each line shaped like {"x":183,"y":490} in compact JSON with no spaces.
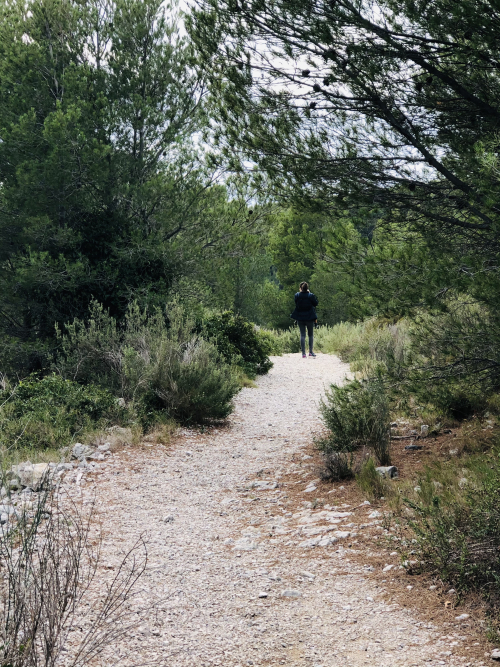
{"x":337,"y":466}
{"x":357,"y":416}
{"x":49,"y":611}
{"x":370,"y":482}
{"x":456,"y":524}
{"x":238,"y":341}
{"x":162,"y":367}
{"x":283,"y":341}
{"x":48,"y":412}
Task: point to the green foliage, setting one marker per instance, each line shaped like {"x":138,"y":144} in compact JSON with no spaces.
{"x":455,"y":519}
{"x":50,"y":412}
{"x":238,"y":341}
{"x":105,"y":192}
{"x":161,"y":366}
{"x":357,"y":416}
{"x":370,"y":482}
{"x":401,"y":210}
{"x":284,"y":340}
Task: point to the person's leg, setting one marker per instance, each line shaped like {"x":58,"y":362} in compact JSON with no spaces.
{"x":310,"y":333}
{"x":302,"y":327}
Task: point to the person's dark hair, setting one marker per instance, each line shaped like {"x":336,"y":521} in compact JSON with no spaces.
{"x":303,"y":287}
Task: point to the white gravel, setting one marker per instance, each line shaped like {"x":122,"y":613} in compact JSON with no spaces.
{"x":230,"y":581}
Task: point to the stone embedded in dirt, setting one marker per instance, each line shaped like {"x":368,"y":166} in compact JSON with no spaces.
{"x":81,"y":452}
{"x":413,"y":448}
{"x":291,"y":594}
{"x":495,"y":654}
{"x":424,"y":430}
{"x":387,"y":568}
{"x":7,"y":509}
{"x":374,"y":515}
{"x":388,"y":472}
{"x":263,"y":594}
{"x":245,"y":544}
{"x":462,"y":617}
{"x":168,"y":519}
{"x":264,"y":485}
{"x":341,"y":534}
{"x":32,"y":475}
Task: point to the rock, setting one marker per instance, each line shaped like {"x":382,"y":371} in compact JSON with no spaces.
{"x":7,"y":509}
{"x":451,"y":591}
{"x":105,"y":447}
{"x":495,"y":654}
{"x":64,"y":466}
{"x":462,"y":482}
{"x":308,"y":575}
{"x":34,"y":476}
{"x":121,"y":403}
{"x":413,"y":448}
{"x":3,"y":492}
{"x":263,"y":594}
{"x":432,"y":588}
{"x":97,"y":456}
{"x":453,"y":452}
{"x":245,"y":544}
{"x":291,"y":594}
{"x":365,"y":502}
{"x":341,"y":534}
{"x":424,"y":430}
{"x":310,"y":488}
{"x":374,"y":515}
{"x":462,"y":617}
{"x":169,"y":519}
{"x":388,"y":472}
{"x":81,"y":452}
{"x":264,"y":485}
{"x":387,"y":568}
{"x":311,"y":542}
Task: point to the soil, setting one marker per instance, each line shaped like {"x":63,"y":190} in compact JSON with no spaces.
{"x":230,"y":515}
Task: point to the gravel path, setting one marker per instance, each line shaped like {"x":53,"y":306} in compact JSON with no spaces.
{"x":234,"y":578}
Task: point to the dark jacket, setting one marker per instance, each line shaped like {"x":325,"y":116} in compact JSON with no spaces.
{"x":304,"y":307}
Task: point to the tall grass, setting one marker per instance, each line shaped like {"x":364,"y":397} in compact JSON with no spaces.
{"x":368,"y":346}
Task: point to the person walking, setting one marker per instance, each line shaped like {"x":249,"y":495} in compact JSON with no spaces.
{"x":305,"y":314}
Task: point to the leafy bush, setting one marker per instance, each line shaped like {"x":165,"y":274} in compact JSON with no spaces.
{"x":456,"y":524}
{"x":370,"y":482}
{"x":49,"y":412}
{"x":283,"y":340}
{"x":162,"y":367}
{"x":238,"y":341}
{"x":357,"y":416}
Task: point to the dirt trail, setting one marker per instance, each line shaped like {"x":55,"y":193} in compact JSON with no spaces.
{"x":234,"y":577}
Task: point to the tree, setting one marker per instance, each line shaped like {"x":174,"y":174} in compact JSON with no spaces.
{"x":382,"y":114}
{"x":104,"y":192}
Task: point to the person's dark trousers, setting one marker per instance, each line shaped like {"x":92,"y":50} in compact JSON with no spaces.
{"x":310,"y":328}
